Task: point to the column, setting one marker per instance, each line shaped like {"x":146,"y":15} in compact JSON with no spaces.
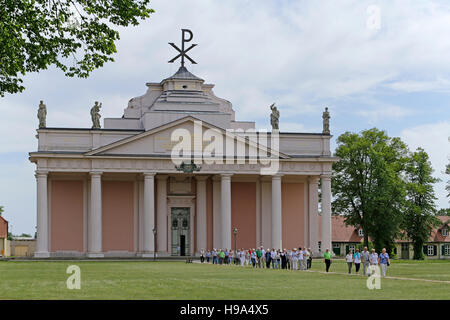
{"x":149,"y":214}
{"x":217,"y":227}
{"x":201,"y":225}
{"x":225,"y":211}
{"x":95,"y":217}
{"x":326,"y":212}
{"x":313,"y":214}
{"x":42,"y":248}
{"x":276,"y":212}
{"x":161,"y":214}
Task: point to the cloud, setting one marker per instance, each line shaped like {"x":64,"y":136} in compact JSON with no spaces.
{"x":434,"y":139}
{"x":302,"y":55}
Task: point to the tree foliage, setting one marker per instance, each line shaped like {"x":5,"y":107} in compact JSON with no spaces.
{"x":367,"y":184}
{"x":420,"y":210}
{"x":77,"y":36}
{"x":447,"y":171}
{"x":443,"y":212}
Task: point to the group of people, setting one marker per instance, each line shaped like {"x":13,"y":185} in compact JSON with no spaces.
{"x":295,"y":259}
{"x":369,"y":260}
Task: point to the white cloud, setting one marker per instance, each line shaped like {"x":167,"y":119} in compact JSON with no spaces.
{"x":433,"y":138}
{"x":299,"y":54}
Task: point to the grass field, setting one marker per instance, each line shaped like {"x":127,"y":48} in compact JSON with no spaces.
{"x":178,"y":280}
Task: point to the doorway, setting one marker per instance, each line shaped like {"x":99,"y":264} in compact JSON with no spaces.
{"x":180,"y":231}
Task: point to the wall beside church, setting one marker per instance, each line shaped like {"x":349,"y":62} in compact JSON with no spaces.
{"x":209,"y":215}
{"x":66,"y":218}
{"x":293,"y":215}
{"x":243,"y":213}
{"x":118,"y":215}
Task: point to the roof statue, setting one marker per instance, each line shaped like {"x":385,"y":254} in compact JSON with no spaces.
{"x":95,"y":115}
{"x":42,"y":115}
{"x":274,"y":117}
{"x":326,"y":122}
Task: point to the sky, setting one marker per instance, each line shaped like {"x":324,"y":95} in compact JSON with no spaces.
{"x":383,"y":64}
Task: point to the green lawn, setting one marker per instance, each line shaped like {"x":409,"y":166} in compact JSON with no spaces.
{"x":178,"y":280}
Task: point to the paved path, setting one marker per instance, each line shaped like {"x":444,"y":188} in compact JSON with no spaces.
{"x":360,"y":275}
{"x":387,"y":277}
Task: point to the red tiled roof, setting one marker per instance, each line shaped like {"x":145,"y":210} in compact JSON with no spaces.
{"x":342,"y":233}
{"x":3,"y":227}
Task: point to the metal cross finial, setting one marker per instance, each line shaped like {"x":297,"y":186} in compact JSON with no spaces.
{"x":182,"y":52}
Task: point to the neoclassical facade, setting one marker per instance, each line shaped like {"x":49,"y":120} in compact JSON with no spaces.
{"x":117,"y":191}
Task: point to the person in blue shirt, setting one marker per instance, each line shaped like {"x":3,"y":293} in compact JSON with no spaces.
{"x":357,"y":260}
{"x":384,"y":261}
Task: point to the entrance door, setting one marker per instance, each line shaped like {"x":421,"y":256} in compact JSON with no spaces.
{"x":180,"y":231}
{"x":405,"y":250}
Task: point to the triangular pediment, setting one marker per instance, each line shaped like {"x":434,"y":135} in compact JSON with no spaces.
{"x":161,"y":141}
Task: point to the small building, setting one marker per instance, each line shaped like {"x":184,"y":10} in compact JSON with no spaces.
{"x":345,"y":238}
{"x":4,"y":243}
{"x":437,"y":246}
{"x":23,"y":247}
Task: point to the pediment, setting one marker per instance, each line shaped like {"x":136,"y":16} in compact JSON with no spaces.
{"x":162,"y":140}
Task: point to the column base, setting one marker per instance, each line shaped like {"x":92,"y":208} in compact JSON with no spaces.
{"x":95,"y":255}
{"x":42,"y":254}
{"x":148,"y":255}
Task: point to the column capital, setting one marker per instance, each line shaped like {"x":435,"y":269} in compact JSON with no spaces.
{"x":326,"y":176}
{"x":226,"y":176}
{"x":41,"y":173}
{"x":201,"y":178}
{"x":149,"y":174}
{"x":159,"y":176}
{"x":313,"y":179}
{"x":95,"y":173}
{"x":277,"y":176}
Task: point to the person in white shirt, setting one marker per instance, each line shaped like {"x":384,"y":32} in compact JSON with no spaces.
{"x":294,"y":258}
{"x":273,"y":255}
{"x":373,"y":259}
{"x":242,"y":257}
{"x":301,"y":259}
{"x":349,"y":260}
{"x":247,"y":257}
{"x":214,"y":256}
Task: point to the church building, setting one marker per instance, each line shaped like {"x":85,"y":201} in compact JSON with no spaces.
{"x":177,"y":173}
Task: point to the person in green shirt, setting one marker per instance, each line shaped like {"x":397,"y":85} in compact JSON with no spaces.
{"x":258,"y":257}
{"x":327,"y":259}
{"x":221,"y":256}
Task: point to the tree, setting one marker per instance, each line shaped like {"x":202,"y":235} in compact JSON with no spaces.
{"x":77,"y":36}
{"x":420,"y":209}
{"x":447,"y":171}
{"x":443,"y":212}
{"x":367,"y":184}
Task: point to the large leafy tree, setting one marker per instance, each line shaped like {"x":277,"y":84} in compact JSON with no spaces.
{"x":420,"y":209}
{"x":447,"y":171}
{"x":368,"y":186}
{"x":77,"y":36}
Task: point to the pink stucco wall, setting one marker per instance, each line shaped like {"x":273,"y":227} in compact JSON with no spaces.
{"x":66,"y":222}
{"x":117,"y":215}
{"x":243,"y":213}
{"x":293,"y":216}
{"x":209,"y":214}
